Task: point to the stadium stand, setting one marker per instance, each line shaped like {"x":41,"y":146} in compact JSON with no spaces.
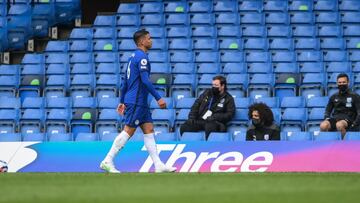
{"x":285,"y":53}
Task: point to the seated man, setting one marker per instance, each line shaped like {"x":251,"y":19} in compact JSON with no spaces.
{"x":343,"y":109}
{"x":263,"y":126}
{"x":212,"y":110}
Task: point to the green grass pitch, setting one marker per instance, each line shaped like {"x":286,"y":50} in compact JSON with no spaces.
{"x":180,"y":187}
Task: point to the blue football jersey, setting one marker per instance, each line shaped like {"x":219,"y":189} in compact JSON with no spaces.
{"x":136,"y":85}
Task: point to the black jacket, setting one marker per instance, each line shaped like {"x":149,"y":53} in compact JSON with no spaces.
{"x":263,"y":133}
{"x":344,"y":107}
{"x":223,"y":107}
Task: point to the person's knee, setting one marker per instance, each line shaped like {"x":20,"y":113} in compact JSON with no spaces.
{"x":211,"y":127}
{"x":325,"y":126}
{"x":340,"y":125}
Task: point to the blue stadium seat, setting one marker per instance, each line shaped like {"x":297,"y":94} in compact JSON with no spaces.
{"x":324,"y":5}
{"x":237,"y":84}
{"x":208,"y":68}
{"x":202,"y":19}
{"x":19,"y":25}
{"x":56,"y":86}
{"x":327,"y":136}
{"x":349,"y":5}
{"x":81,"y":85}
{"x":277,"y":18}
{"x":204,"y":83}
{"x":294,"y":119}
{"x":10,"y":137}
{"x":353,"y":43}
{"x":109,"y":57}
{"x":302,"y":18}
{"x":206,"y":56}
{"x":283,"y":56}
{"x":225,"y":6}
{"x":81,"y":57}
{"x":242,"y":103}
{"x":314,"y":102}
{"x":155,"y":32}
{"x":183,"y":68}
{"x":231,"y":56}
{"x":303,"y":56}
{"x":10,"y":69}
{"x":8,"y":120}
{"x":176,"y":7}
{"x":200,"y":6}
{"x":253,"y":31}
{"x":327,"y":17}
{"x":259,"y":68}
{"x":60,"y":137}
{"x":183,"y":85}
{"x":178,"y":31}
{"x":311,"y":67}
{"x":127,"y":32}
{"x":293,"y":102}
{"x":104,"y":45}
{"x":58,"y":103}
{"x":239,"y":136}
{"x":9,"y":84}
{"x":33,"y":103}
{"x":304,"y":31}
{"x":256,"y":43}
{"x":81,"y":33}
{"x":273,"y":5}
{"x":332,"y":67}
{"x":185,"y":103}
{"x":31,"y":121}
{"x":126,"y":45}
{"x":181,"y":57}
{"x":329,"y":31}
{"x":203,"y":31}
{"x":250,"y":5}
{"x":34,"y":137}
{"x":312,"y":85}
{"x":351,"y":30}
{"x":9,"y":103}
{"x":164,"y":117}
{"x":307,"y":43}
{"x":279,"y":31}
{"x":108,"y":137}
{"x":272,"y":102}
{"x":285,"y":67}
{"x":252,"y":18}
{"x":182,"y":115}
{"x":181,"y":19}
{"x":350,"y":17}
{"x":165,"y":137}
{"x":205,"y":44}
{"x":104,"y":33}
{"x":260,"y":85}
{"x":300,"y":5}
{"x":180,"y":44}
{"x":228,"y":31}
{"x":352,"y":136}
{"x":219,"y":137}
{"x":335,"y":55}
{"x":57,"y":121}
{"x":298,"y":136}
{"x":128,"y":20}
{"x":80,"y":45}
{"x":87,"y":137}
{"x":57,"y":46}
{"x":332,"y":43}
{"x":169,"y":103}
{"x":158,"y":56}
{"x":281,"y":44}
{"x":257,"y":56}
{"x":128,"y":8}
{"x":227,"y":18}
{"x":152,"y":19}
{"x":151,"y":7}
{"x":104,"y":21}
{"x":233,"y":68}
{"x":192,"y":136}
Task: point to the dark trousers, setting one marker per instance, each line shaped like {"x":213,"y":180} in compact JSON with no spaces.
{"x":201,"y":125}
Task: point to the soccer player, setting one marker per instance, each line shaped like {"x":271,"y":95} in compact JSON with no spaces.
{"x":133,"y":105}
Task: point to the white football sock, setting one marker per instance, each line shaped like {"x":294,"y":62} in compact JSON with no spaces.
{"x":150,"y":145}
{"x":118,"y":144}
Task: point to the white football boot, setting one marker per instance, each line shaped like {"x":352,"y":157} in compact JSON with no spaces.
{"x":108,"y":167}
{"x":164,"y":169}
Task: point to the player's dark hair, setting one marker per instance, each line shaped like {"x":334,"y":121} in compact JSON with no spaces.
{"x":139,"y":34}
{"x":222,"y":80}
{"x":266,"y":115}
{"x":343,"y":75}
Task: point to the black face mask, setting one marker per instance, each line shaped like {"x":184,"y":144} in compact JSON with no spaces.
{"x":257,"y":122}
{"x":342,"y":88}
{"x":215,"y":91}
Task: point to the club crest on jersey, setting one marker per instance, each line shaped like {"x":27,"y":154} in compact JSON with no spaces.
{"x":266,"y":137}
{"x":143,"y":62}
